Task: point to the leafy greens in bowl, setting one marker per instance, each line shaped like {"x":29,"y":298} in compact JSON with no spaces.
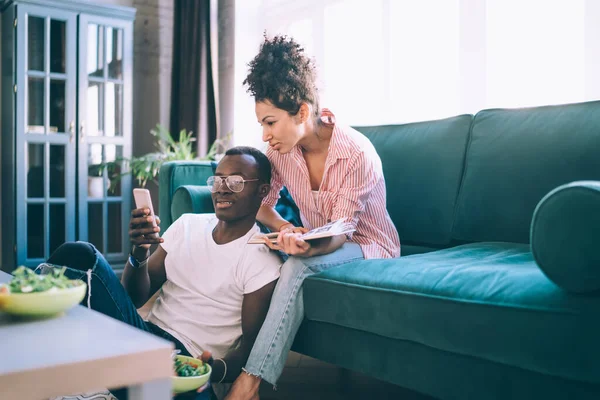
{"x":190,"y":374}
{"x":31,"y":294}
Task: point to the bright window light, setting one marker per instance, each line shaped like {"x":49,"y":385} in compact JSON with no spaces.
{"x":424,"y":56}
{"x":353,"y":64}
{"x":535,"y":52}
{"x":398,"y":61}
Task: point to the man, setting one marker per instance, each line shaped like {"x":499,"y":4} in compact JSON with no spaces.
{"x":214,"y":287}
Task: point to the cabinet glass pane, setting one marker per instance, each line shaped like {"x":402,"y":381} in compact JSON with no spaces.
{"x":57,"y":226}
{"x":35,"y":230}
{"x":95,"y":230}
{"x":35,"y":170}
{"x":35,"y":43}
{"x":96,"y":185}
{"x":114,"y":153}
{"x":57,"y":171}
{"x":58,"y":43}
{"x":114,"y":228}
{"x":114,"y":109}
{"x":95,"y":51}
{"x":35,"y":107}
{"x":95,"y":107}
{"x":57,"y":106}
{"x":114,"y":53}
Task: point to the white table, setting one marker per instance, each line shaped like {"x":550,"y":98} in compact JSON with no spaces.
{"x":80,"y":351}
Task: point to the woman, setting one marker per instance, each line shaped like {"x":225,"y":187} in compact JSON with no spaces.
{"x":332,"y":172}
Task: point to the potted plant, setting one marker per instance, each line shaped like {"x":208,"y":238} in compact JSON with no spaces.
{"x":145,"y":168}
{"x":95,"y":181}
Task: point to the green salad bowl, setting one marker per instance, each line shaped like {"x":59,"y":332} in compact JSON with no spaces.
{"x":182,"y":384}
{"x":42,"y":304}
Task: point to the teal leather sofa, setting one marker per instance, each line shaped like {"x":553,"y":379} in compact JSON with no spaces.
{"x":467,"y":311}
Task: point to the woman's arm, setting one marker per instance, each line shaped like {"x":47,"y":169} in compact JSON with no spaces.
{"x":267,"y":215}
{"x":363,"y":174}
{"x":270,"y":218}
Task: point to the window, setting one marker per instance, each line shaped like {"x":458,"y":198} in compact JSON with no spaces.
{"x":535,"y":52}
{"x":353,"y":65}
{"x":397,"y":61}
{"x":424,"y":59}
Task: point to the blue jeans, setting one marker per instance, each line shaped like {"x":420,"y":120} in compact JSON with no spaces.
{"x":286,"y":311}
{"x":108,"y":296}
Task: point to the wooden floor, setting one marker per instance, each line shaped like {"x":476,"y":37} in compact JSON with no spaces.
{"x":307,"y":378}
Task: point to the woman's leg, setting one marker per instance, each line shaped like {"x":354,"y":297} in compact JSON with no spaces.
{"x":286,"y":312}
{"x":105,"y":292}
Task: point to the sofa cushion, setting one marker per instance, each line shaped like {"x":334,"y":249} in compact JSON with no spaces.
{"x":422,"y":165}
{"x":191,"y":199}
{"x":565,"y":233}
{"x":485,"y":300}
{"x":514,"y":158}
{"x":174,"y":174}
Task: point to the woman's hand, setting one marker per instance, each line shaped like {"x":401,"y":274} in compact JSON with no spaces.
{"x":289,"y":241}
{"x":289,"y":226}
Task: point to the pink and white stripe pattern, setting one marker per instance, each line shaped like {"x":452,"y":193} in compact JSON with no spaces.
{"x":353,"y":186}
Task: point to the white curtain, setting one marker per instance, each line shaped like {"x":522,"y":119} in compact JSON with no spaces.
{"x":398,"y":61}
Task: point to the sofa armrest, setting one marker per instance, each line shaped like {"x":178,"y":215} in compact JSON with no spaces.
{"x":564,"y":236}
{"x":174,"y":174}
{"x":191,"y":199}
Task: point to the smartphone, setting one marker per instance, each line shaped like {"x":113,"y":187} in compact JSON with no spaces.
{"x":143,"y":200}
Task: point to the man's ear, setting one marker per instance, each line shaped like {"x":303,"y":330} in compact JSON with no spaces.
{"x":263,"y":190}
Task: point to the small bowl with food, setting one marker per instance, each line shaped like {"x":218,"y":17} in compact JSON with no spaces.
{"x":40,"y":295}
{"x":190,"y":374}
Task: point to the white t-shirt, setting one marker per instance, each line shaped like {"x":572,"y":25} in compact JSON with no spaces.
{"x":200,"y":304}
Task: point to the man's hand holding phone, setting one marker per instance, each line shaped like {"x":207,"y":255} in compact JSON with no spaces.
{"x":144,"y":225}
{"x":144,"y":228}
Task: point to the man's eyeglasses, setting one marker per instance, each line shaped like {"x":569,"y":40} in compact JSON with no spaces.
{"x":235,"y":183}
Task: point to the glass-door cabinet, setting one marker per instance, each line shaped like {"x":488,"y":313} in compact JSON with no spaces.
{"x":66,"y":109}
{"x":104,"y":132}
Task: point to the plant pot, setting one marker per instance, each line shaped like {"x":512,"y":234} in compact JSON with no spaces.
{"x":96,"y":187}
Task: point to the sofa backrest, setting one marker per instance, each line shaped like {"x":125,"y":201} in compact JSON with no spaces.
{"x":515,"y":157}
{"x":175,"y":174}
{"x":463,"y":179}
{"x":422,"y":165}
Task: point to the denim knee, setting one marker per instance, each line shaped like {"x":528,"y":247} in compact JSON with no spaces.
{"x":291,"y":268}
{"x":75,"y":255}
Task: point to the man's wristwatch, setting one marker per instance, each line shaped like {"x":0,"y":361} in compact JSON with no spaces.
{"x":135,"y":263}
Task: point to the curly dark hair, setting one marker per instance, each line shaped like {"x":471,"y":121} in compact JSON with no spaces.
{"x":282,"y":74}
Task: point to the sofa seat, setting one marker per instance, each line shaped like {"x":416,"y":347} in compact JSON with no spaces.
{"x":485,"y":300}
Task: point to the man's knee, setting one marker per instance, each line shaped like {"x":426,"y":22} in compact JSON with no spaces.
{"x":76,"y":255}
